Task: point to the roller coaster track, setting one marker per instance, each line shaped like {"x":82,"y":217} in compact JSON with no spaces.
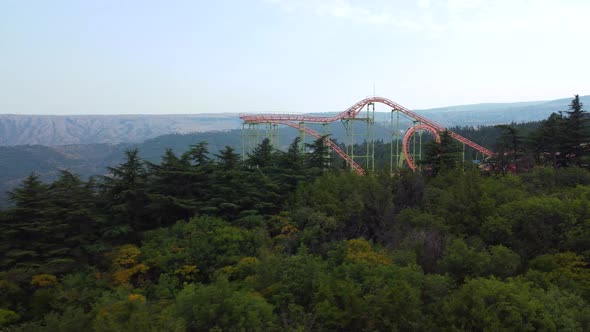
{"x":352,"y":112}
{"x":407,"y":139}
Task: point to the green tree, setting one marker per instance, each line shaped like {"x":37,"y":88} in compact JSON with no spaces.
{"x":74,"y":203}
{"x":228,"y":158}
{"x":319,"y":156}
{"x":578,"y":132}
{"x":127,"y":312}
{"x":462,"y":261}
{"x":508,"y":150}
{"x":171,"y":189}
{"x":8,"y":317}
{"x":23,"y":224}
{"x":537,"y":225}
{"x":443,"y":155}
{"x":198,"y":153}
{"x":262,"y":156}
{"x":493,"y":305}
{"x":547,"y":140}
{"x":566,"y":270}
{"x":170,"y":176}
{"x":291,"y":170}
{"x":204,"y":242}
{"x":125,"y":195}
{"x":221,"y":306}
{"x":50,"y":227}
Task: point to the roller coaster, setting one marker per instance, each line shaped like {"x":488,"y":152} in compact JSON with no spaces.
{"x":348,"y":117}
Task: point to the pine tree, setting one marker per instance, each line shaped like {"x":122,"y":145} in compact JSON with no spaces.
{"x":50,"y":227}
{"x":228,"y":158}
{"x":293,"y":158}
{"x":547,"y":141}
{"x":443,"y":155}
{"x":262,"y":156}
{"x":23,"y":228}
{"x":200,"y":172}
{"x":562,"y":139}
{"x":319,"y":157}
{"x":73,"y":203}
{"x":291,"y":170}
{"x":198,"y":153}
{"x":125,"y":191}
{"x":171,"y":185}
{"x":238,"y":191}
{"x":170,"y":177}
{"x":577,"y":132}
{"x":508,"y":149}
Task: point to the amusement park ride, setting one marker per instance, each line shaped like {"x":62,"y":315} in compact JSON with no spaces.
{"x":354,"y":114}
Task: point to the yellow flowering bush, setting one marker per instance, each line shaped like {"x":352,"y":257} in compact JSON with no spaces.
{"x":136,"y":297}
{"x":44,"y":280}
{"x":187,"y":272}
{"x":125,"y":263}
{"x":360,"y":251}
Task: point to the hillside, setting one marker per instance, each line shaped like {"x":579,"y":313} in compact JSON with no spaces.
{"x":90,"y":129}
{"x":18,"y":162}
{"x":279,"y":241}
{"x":113,"y":129}
{"x":498,"y":113}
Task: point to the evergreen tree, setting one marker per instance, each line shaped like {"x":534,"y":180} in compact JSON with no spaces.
{"x":228,"y":158}
{"x":319,"y":156}
{"x":291,"y":169}
{"x":575,"y":126}
{"x":125,"y":191}
{"x":227,"y":186}
{"x":239,"y":192}
{"x":200,"y":172}
{"x":198,"y":153}
{"x":30,"y":199}
{"x":171,"y":189}
{"x":293,"y":158}
{"x":262,"y":156}
{"x":508,"y":150}
{"x":562,"y":139}
{"x":24,"y":227}
{"x":547,"y":141}
{"x":170,"y":176}
{"x":443,"y":155}
{"x":74,"y":202}
{"x":50,"y":227}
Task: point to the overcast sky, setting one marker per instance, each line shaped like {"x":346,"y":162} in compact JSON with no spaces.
{"x":122,"y":56}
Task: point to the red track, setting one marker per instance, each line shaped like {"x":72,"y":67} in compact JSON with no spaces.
{"x":292,"y":120}
{"x":406,"y":142}
{"x":329,"y":142}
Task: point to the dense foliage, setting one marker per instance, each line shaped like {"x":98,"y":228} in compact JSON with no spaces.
{"x":288,"y":241}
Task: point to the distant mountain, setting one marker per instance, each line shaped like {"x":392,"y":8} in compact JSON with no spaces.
{"x":499,"y":113}
{"x":17,"y":162}
{"x":90,"y":129}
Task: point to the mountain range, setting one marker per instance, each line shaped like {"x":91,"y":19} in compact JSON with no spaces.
{"x":52,"y":130}
{"x":113,"y":129}
{"x":87,"y":145}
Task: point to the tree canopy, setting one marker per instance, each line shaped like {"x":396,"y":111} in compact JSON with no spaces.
{"x":288,"y":241}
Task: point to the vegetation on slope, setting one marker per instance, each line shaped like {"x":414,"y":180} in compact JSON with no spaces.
{"x":288,"y":241}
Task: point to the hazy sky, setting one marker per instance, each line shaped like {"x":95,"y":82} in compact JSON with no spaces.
{"x":122,"y":56}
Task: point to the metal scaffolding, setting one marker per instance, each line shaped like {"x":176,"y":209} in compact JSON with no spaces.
{"x":367,"y":127}
{"x":405,"y":147}
{"x":252,"y":136}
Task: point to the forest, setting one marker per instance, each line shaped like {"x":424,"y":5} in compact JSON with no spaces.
{"x":292,"y":241}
